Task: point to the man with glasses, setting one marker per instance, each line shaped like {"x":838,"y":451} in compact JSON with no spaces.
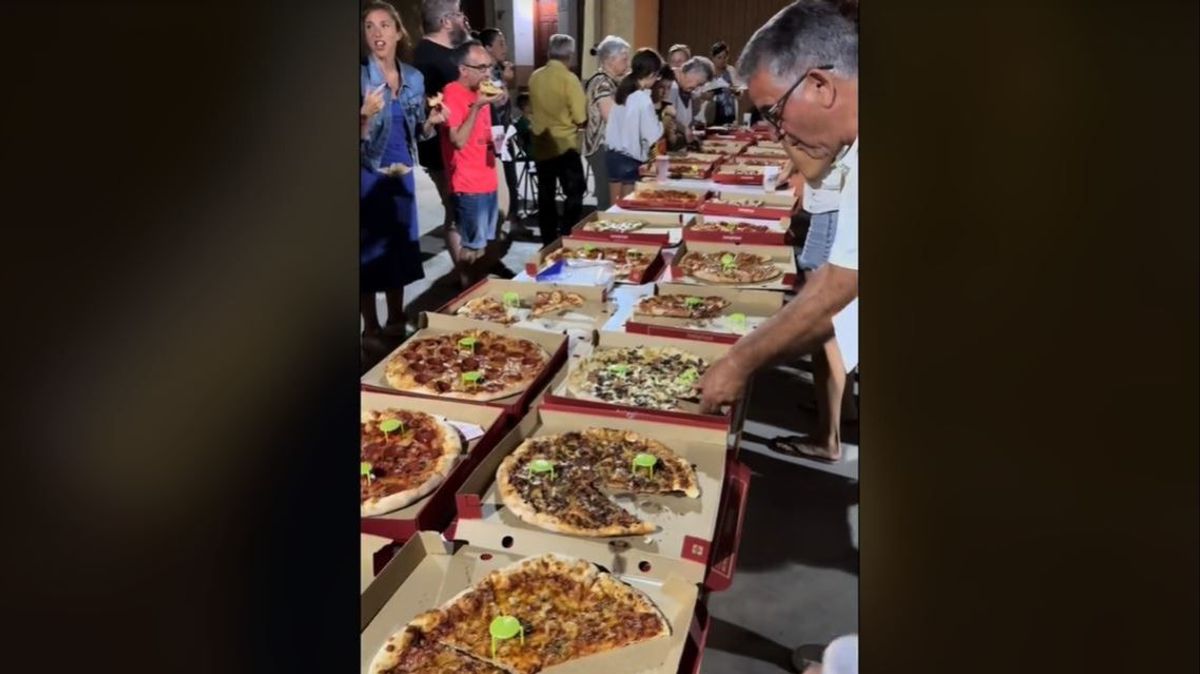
{"x":802,"y":71}
{"x":445,"y":28}
{"x":470,"y":160}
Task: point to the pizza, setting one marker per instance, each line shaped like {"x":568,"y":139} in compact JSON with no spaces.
{"x":769,"y":145}
{"x":650,"y":377}
{"x":468,"y":364}
{"x":681,"y":306}
{"x":565,"y":609}
{"x":396,"y":169}
{"x":728,"y":227}
{"x":405,"y":455}
{"x":745,"y":202}
{"x":761,"y":151}
{"x":555,"y":301}
{"x":677,"y":169}
{"x":628,"y":263}
{"x":490,"y":309}
{"x":729,"y":267}
{"x":662,"y":198}
{"x":579,"y":469}
{"x":721,"y":147}
{"x":490,"y":88}
{"x":745,"y":160}
{"x":617,"y":224}
{"x":434,"y":101}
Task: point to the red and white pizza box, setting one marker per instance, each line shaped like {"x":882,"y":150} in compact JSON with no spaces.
{"x":537,"y":263}
{"x":687,"y":528}
{"x":764,"y":205}
{"x":664,"y":229}
{"x":778,"y":234}
{"x":783,"y":256}
{"x":429,"y":571}
{"x":678,"y":169}
{"x":755,"y":307}
{"x":636,"y":202}
{"x":761,"y":151}
{"x":376,"y":551}
{"x":436,"y":510}
{"x":595,"y":312}
{"x":433,"y":324}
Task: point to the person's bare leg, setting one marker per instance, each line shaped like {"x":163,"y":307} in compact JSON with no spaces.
{"x":395,"y":324}
{"x":829,"y":380}
{"x":366,"y":307}
{"x":626,"y":189}
{"x":614,"y":191}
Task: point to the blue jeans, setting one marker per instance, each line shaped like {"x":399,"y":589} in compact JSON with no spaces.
{"x":476,"y":216}
{"x":819,"y":243}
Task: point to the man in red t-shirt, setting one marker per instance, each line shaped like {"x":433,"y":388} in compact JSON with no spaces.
{"x":471,"y":159}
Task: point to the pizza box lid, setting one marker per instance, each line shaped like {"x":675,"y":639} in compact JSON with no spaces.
{"x":630,"y":201}
{"x":685,"y":537}
{"x":435,"y":510}
{"x":780,"y":233}
{"x":664,"y":229}
{"x":756,"y":305}
{"x":594,"y":313}
{"x":368,"y":559}
{"x":535,"y":264}
{"x":433,"y":324}
{"x":428,"y":571}
{"x":775,"y":205}
{"x":688,"y":413}
{"x":784,"y":256}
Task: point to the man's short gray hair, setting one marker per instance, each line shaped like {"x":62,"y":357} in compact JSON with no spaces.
{"x":701,"y":64}
{"x":805,"y":35}
{"x":433,"y":11}
{"x":611,"y":47}
{"x":561,"y":47}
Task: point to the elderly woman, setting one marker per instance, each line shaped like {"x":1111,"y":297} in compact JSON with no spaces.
{"x":612,"y":55}
{"x":392,"y":119}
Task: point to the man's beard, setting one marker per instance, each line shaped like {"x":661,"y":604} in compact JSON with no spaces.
{"x":458,"y":35}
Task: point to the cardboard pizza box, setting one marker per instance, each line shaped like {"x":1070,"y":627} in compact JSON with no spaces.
{"x":433,"y":324}
{"x":664,"y":229}
{"x":536,"y":264}
{"x":697,"y":157}
{"x":759,"y":150}
{"x":783,"y":256}
{"x":688,"y":413}
{"x":428,"y":571}
{"x":632,"y":201}
{"x":486,"y":426}
{"x":772,"y":205}
{"x":373,"y":557}
{"x":780,"y":233}
{"x":755,"y":305}
{"x":680,"y":168}
{"x":595,"y":312}
{"x":686,"y":526}
{"x":725,"y":148}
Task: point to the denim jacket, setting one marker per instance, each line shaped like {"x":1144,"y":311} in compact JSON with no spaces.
{"x":412,"y":98}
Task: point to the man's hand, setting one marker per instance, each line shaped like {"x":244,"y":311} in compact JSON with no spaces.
{"x":372,"y":102}
{"x":484,"y":99}
{"x":722,"y":384}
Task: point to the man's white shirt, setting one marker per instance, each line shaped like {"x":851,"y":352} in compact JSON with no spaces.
{"x":844,"y":253}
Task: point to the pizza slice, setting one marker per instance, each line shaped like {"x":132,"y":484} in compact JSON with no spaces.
{"x":412,"y":652}
{"x":555,"y":301}
{"x":434,"y":101}
{"x":733,"y":227}
{"x":681,"y":306}
{"x":490,"y":88}
{"x":489,"y":309}
{"x":626,"y":470}
{"x":729,"y":267}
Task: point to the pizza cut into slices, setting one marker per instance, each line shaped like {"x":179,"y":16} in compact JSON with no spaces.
{"x":490,"y":309}
{"x":468,"y":364}
{"x":744,"y":202}
{"x":644,"y":376}
{"x":546,"y":303}
{"x":405,"y":455}
{"x":734,"y":227}
{"x":729,"y":267}
{"x":616,"y":224}
{"x":681,"y":306}
{"x":411,"y":652}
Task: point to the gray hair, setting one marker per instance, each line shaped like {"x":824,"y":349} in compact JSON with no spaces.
{"x":699,"y":64}
{"x":561,"y":47}
{"x":805,"y":35}
{"x":433,"y":11}
{"x":611,"y":47}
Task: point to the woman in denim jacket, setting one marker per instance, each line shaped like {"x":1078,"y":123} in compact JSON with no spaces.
{"x":392,"y":119}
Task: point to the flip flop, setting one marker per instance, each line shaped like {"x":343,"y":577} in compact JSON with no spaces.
{"x":799,"y":445}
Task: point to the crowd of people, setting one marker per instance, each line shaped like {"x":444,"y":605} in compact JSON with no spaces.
{"x":450,"y":109}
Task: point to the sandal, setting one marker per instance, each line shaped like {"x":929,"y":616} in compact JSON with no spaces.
{"x":802,"y":446}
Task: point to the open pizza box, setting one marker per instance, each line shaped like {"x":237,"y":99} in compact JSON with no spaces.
{"x":782,"y":256}
{"x":678,"y":168}
{"x":755,"y":306}
{"x":738,"y":173}
{"x":558,"y":392}
{"x":697,"y":157}
{"x":637,"y":202}
{"x":595,"y":312}
{"x":428,"y":571}
{"x":433,"y":324}
{"x":769,"y":204}
{"x":375,"y":554}
{"x":779,"y":234}
{"x":763,"y":151}
{"x":686,"y":526}
{"x":481,"y":427}
{"x":725,"y":148}
{"x":537,"y":263}
{"x":664,"y":229}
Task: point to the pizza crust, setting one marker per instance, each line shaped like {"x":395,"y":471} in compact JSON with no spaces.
{"x":452,"y":448}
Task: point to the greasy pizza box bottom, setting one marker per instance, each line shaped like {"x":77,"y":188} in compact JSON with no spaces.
{"x":684,"y":540}
{"x":435,"y":508}
{"x":753,"y":303}
{"x":427,"y":572}
{"x":595,"y":312}
{"x":434,"y":325}
{"x":782,"y":256}
{"x":371,"y":545}
{"x":536,"y":264}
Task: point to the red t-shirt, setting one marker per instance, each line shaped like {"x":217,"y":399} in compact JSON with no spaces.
{"x":472,"y":169}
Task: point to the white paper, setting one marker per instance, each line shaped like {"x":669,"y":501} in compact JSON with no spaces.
{"x":469,"y":431}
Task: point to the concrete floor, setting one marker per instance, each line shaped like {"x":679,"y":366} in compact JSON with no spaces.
{"x":797,"y":577}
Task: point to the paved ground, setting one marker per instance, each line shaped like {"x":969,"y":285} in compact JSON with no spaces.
{"x":797,"y":576}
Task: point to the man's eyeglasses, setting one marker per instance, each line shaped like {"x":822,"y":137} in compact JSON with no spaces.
{"x":774,"y":114}
{"x":483,"y":67}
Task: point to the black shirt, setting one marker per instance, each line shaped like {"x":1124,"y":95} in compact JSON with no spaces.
{"x":439,"y":69}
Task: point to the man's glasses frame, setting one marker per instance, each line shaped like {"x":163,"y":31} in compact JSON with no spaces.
{"x":774,"y":114}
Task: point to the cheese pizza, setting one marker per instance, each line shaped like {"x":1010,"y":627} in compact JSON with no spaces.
{"x":729,"y":267}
